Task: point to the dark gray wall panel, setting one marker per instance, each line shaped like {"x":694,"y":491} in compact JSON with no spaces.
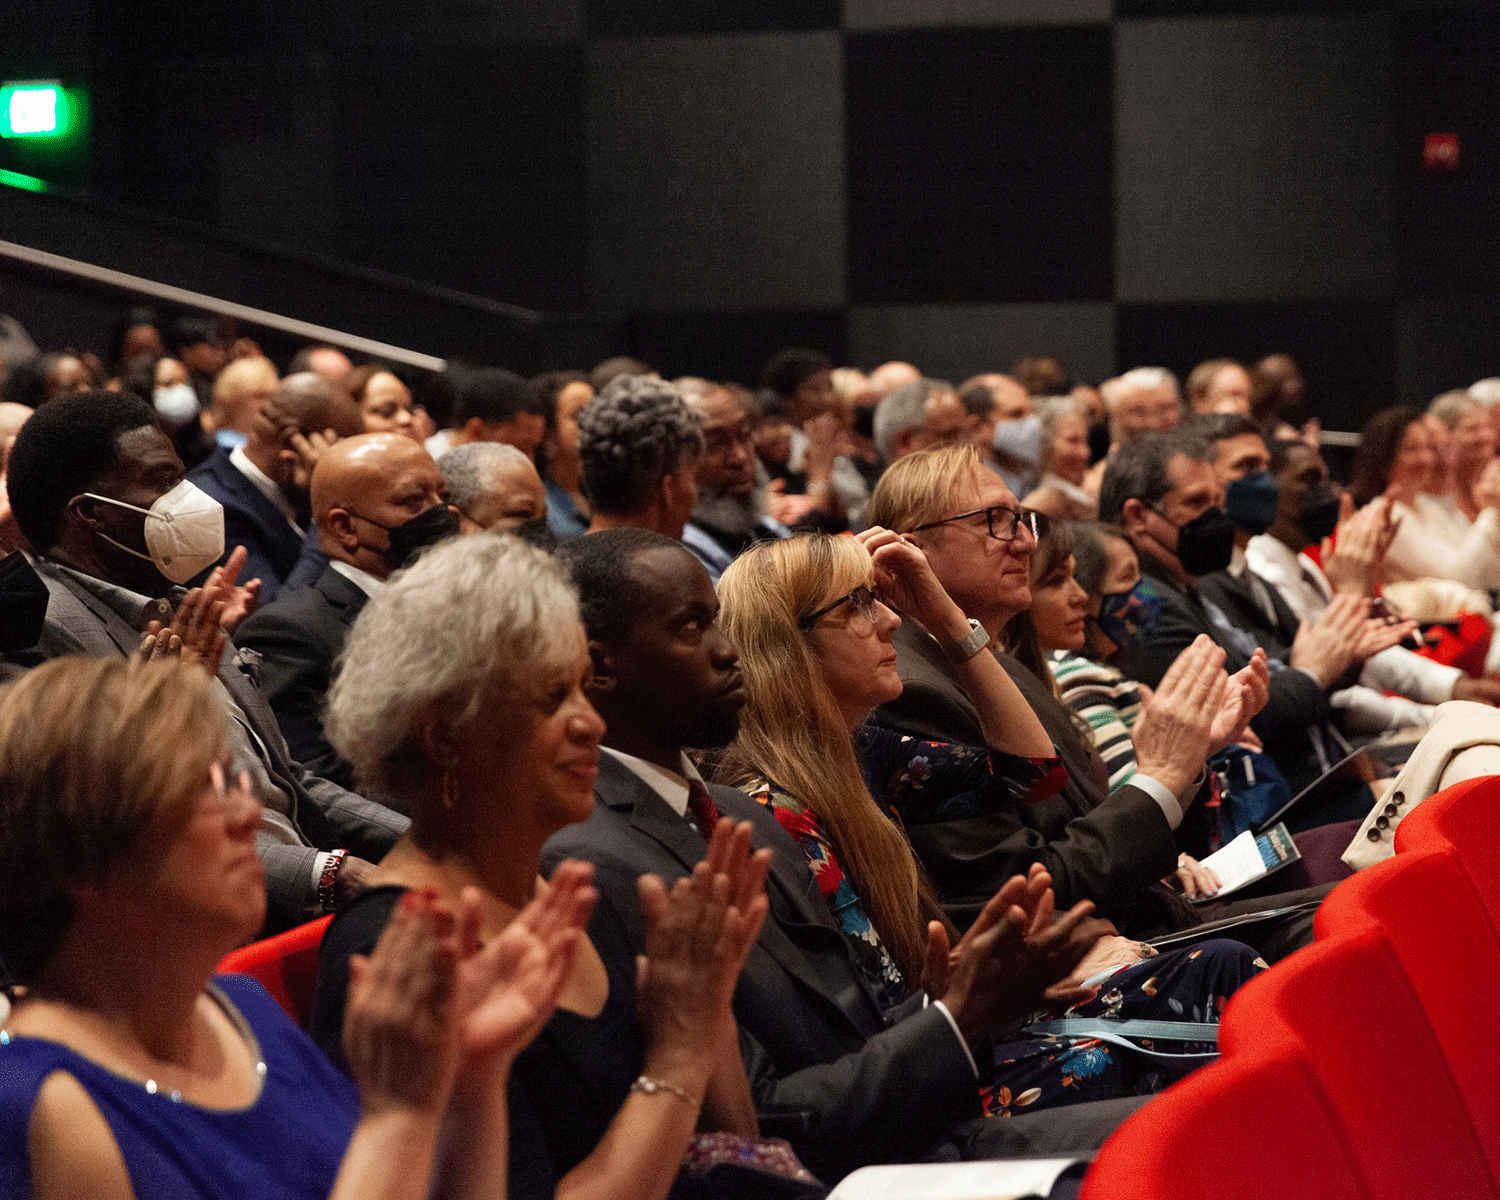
{"x":465,"y":168}
{"x":954,"y":341}
{"x":908,"y":14}
{"x":1252,"y":157}
{"x":638,"y":18}
{"x":1346,"y":349}
{"x":732,"y":345}
{"x":979,"y":165}
{"x":466,"y":23}
{"x":1445,"y":343}
{"x":716,"y":172}
{"x":1447,"y":222}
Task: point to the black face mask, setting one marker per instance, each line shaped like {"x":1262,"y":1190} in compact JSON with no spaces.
{"x":1317,"y":512}
{"x":1206,"y":543}
{"x":411,"y":537}
{"x":1251,"y":500}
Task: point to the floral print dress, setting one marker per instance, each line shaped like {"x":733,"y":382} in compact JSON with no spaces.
{"x":948,"y":782}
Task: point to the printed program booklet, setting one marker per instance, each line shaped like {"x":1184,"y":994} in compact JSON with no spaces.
{"x":1250,"y":857}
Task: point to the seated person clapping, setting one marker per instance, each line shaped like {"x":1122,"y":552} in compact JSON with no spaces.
{"x":461,"y":695}
{"x":128,"y":868}
{"x":1061,"y":632}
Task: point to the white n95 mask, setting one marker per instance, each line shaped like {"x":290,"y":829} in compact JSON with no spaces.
{"x":184,"y":531}
{"x":176,"y":404}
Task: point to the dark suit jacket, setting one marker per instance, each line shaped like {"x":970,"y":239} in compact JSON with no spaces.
{"x":251,"y":521}
{"x":874,"y":1085}
{"x":1099,"y":847}
{"x":319,"y":815}
{"x":1297,"y":700}
{"x":298,"y":636}
{"x":310,"y":563}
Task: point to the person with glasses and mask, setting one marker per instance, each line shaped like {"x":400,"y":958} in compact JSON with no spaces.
{"x":1170,"y":498}
{"x":814,"y":619}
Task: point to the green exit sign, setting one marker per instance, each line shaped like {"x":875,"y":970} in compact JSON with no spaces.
{"x":37,"y":109}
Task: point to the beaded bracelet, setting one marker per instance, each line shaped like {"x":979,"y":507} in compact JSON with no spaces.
{"x":648,"y":1086}
{"x":330,"y":875}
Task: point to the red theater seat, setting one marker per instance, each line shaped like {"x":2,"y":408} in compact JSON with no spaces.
{"x":286,"y":964}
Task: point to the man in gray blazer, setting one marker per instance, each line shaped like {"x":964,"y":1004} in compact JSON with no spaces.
{"x":82,"y":478}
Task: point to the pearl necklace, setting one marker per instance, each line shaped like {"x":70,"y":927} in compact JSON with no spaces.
{"x":236,"y":1019}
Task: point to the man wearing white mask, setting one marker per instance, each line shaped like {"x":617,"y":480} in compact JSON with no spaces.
{"x":98,"y":490}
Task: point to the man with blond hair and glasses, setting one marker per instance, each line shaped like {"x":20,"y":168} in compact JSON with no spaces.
{"x":1113,"y":848}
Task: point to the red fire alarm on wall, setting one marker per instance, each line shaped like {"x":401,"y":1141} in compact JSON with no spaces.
{"x":1440,"y":152}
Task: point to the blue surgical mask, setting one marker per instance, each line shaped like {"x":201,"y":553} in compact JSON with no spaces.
{"x":1251,"y":500}
{"x":1126,"y":616}
{"x":1021,"y":438}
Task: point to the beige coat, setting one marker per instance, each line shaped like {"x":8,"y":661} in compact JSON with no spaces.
{"x":1463,"y":742}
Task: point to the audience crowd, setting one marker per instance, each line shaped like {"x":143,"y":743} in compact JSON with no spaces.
{"x":717,"y":789}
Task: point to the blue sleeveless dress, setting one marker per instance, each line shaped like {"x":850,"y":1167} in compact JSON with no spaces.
{"x":287,"y":1145}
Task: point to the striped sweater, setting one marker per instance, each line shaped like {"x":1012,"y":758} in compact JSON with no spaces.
{"x":1107,"y":701}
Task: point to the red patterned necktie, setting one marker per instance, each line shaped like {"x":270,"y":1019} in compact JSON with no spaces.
{"x":701,"y":805}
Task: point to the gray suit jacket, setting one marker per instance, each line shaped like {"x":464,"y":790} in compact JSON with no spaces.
{"x":1107,"y":849}
{"x":303,"y":813}
{"x":865,"y":1084}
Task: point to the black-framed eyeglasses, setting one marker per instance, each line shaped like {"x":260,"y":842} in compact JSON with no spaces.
{"x":862,"y":602}
{"x":1001,"y":522}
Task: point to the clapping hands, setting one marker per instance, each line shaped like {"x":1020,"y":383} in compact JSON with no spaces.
{"x":1015,"y":959}
{"x":698,"y":935}
{"x":431,"y":1001}
{"x":200,"y":628}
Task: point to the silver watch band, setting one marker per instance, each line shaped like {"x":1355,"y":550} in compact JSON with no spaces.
{"x":966,"y":648}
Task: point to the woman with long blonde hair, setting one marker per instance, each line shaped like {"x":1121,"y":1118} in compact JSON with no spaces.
{"x":813,"y":618}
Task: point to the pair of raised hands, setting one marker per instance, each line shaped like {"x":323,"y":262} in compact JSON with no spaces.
{"x":200,"y":628}
{"x":698,"y":934}
{"x":1017,"y":958}
{"x":432,"y":1002}
{"x":1343,"y":636}
{"x":1196,"y":710}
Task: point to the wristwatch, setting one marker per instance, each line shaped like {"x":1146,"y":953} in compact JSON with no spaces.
{"x":961,"y":651}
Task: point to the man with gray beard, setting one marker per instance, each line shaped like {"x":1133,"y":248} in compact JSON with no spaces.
{"x":731,"y":512}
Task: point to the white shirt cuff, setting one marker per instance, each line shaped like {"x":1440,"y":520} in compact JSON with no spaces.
{"x":1171,"y":807}
{"x":943,"y":1008}
{"x":320,"y":860}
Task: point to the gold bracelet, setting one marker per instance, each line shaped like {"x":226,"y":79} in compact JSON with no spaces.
{"x":649,"y":1087}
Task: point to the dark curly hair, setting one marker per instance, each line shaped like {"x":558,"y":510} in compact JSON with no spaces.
{"x":63,"y":450}
{"x":785,"y":370}
{"x":1379,"y":443}
{"x":631,"y":435}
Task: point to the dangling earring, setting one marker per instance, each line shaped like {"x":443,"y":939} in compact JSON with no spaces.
{"x":450,"y":788}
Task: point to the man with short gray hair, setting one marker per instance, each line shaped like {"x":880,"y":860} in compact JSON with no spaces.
{"x":1143,"y":400}
{"x":494,"y":486}
{"x":917,"y":415}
